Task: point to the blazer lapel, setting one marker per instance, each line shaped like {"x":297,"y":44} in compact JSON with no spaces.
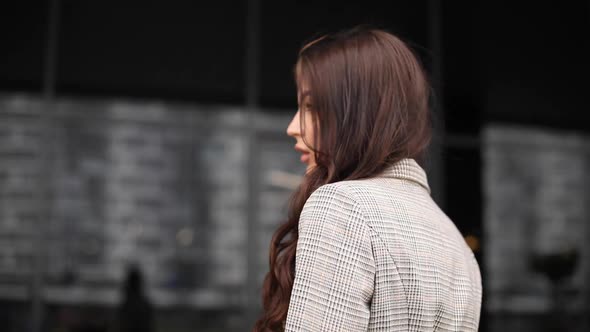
{"x":407,"y":169}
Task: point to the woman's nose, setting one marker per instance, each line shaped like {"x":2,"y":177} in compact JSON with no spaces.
{"x":293,"y":128}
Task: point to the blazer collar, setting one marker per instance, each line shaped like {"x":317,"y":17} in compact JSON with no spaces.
{"x":407,"y":169}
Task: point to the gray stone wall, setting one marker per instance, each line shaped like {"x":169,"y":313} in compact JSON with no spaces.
{"x":537,"y":202}
{"x":91,"y":186}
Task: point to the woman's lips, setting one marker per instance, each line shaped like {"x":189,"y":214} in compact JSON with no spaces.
{"x":305,"y":158}
{"x":305,"y":155}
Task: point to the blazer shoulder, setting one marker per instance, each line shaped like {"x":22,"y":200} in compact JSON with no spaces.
{"x":342,"y":190}
{"x":350,"y":190}
{"x":333,"y":198}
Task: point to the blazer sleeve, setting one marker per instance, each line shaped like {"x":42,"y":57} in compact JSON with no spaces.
{"x":334,"y":265}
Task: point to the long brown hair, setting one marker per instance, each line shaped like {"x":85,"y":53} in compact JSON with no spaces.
{"x":369,"y":97}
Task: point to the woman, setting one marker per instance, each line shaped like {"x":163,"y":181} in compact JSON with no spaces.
{"x":365,"y":248}
{"x":135,"y":313}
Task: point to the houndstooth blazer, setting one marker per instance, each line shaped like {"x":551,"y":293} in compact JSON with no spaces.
{"x":378,"y":254}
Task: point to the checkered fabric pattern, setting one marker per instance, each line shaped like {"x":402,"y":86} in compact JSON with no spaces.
{"x":378,"y":254}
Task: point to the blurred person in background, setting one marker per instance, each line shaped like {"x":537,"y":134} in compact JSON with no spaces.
{"x":135,"y":313}
{"x":365,"y":247}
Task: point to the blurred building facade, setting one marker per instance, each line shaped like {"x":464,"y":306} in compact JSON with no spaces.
{"x":161,"y":186}
{"x":537,"y":207}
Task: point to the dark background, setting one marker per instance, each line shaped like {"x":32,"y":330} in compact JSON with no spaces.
{"x":532,"y":55}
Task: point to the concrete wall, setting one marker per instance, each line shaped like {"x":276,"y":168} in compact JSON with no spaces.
{"x":90,"y":186}
{"x":536,"y":201}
